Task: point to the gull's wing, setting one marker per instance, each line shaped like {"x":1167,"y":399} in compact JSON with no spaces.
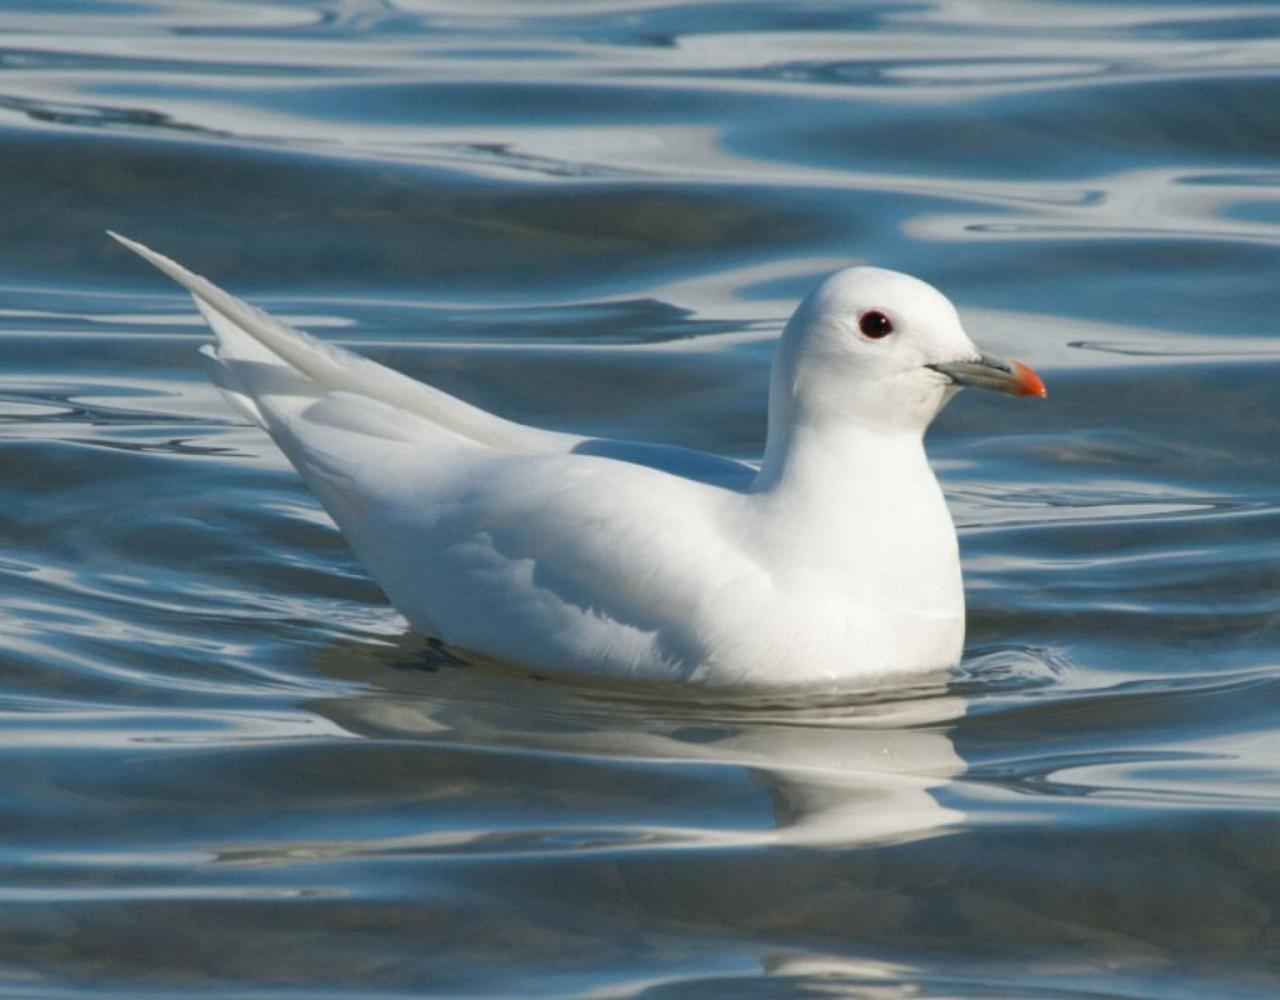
{"x":257,"y":353}
{"x":542,"y":548}
{"x":248,"y":334}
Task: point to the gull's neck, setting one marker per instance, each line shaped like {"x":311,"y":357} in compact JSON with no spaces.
{"x":842,"y":466}
{"x":846,"y":467}
{"x":820,"y":453}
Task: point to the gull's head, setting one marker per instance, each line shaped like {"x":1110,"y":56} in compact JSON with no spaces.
{"x":883,"y":350}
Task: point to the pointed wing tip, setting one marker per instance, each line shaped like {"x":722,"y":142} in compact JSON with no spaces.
{"x":145,"y":252}
{"x":124,"y":241}
{"x":193,"y":283}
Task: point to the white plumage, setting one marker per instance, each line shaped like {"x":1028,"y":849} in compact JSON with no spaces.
{"x":834,"y":562}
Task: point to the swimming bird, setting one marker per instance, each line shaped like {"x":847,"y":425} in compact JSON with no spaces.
{"x":832,"y":563}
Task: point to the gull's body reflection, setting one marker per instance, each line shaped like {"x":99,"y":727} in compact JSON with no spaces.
{"x":860,"y":770}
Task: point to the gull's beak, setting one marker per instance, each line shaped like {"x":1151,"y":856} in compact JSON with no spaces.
{"x":992,"y":373}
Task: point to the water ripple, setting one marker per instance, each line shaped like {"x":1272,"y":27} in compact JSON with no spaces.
{"x":232,"y":770}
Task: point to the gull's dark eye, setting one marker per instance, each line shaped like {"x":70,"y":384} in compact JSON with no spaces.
{"x":875,"y":324}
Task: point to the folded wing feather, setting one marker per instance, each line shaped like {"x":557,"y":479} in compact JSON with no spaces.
{"x":247,"y":334}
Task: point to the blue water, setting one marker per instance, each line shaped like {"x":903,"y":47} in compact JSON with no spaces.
{"x":230,"y":771}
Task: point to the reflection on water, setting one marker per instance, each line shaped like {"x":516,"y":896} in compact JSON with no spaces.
{"x":853,"y":771}
{"x":232,"y":772}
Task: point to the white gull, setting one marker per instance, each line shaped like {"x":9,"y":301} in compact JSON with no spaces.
{"x":833,"y":563}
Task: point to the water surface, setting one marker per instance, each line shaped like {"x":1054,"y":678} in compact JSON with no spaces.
{"x":230,"y":769}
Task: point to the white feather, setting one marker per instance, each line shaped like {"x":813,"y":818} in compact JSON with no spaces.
{"x":835,"y":561}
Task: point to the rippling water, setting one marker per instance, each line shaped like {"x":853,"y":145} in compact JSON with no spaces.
{"x":231,"y":772}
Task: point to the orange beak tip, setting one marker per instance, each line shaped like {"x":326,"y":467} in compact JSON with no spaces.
{"x":1029,"y":383}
